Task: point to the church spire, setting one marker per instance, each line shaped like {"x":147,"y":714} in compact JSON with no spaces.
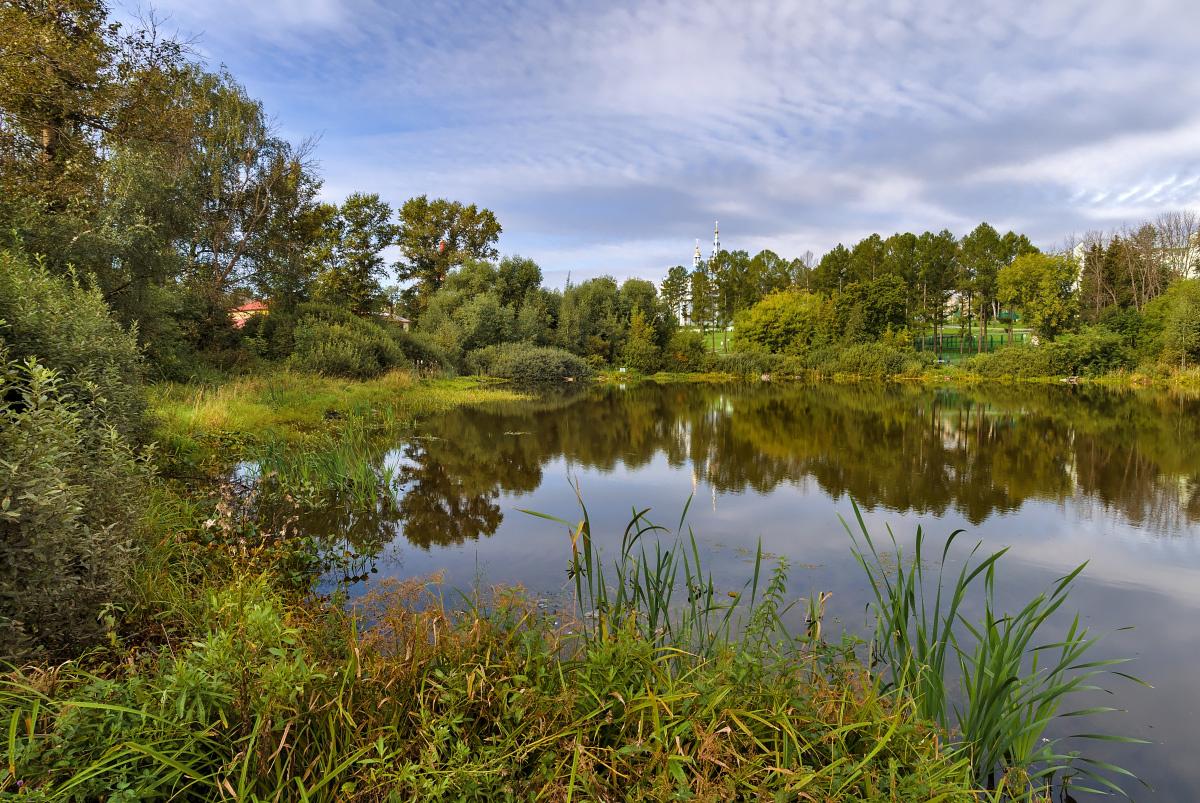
{"x":716,"y":240}
{"x":696,"y":258}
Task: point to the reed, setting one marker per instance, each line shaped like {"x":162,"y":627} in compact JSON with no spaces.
{"x":1011,"y":684}
{"x":339,"y":467}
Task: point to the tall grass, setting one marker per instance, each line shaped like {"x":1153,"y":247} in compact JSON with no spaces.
{"x":1011,"y":682}
{"x":403,"y":697}
{"x":339,"y":467}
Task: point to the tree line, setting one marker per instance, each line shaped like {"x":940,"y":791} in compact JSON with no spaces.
{"x":923,"y":284}
{"x":127,"y":163}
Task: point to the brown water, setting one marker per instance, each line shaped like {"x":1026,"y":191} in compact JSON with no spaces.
{"x":1063,"y":475}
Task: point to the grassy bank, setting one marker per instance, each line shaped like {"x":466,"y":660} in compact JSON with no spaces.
{"x":210,"y":423}
{"x":226,"y":676}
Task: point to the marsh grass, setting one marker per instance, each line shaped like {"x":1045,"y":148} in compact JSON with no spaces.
{"x":1011,"y":681}
{"x":418,"y":693}
{"x":210,"y":424}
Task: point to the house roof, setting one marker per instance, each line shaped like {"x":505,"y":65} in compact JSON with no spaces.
{"x":253,"y":306}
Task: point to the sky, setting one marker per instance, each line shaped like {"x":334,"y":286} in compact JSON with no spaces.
{"x":608,"y":137}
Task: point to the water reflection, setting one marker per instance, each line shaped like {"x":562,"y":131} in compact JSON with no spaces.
{"x":909,"y":449}
{"x":977,"y":451}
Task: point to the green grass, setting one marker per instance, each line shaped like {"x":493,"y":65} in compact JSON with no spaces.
{"x":1012,"y":679}
{"x":417,"y":693}
{"x":211,"y":423}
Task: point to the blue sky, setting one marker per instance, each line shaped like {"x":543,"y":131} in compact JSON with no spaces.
{"x":607,"y":137}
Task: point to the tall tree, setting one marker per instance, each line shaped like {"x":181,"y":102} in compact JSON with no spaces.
{"x":937,"y":274}
{"x":436,"y":235}
{"x":980,"y":255}
{"x":360,"y":232}
{"x":866,"y":260}
{"x":675,"y":290}
{"x":239,"y":172}
{"x":833,"y":271}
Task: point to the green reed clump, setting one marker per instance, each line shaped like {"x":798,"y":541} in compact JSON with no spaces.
{"x":259,"y":694}
{"x":1010,"y":683}
{"x":343,"y":466}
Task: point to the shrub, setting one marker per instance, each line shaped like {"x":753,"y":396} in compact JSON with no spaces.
{"x":1094,"y":352}
{"x":525,"y":363}
{"x":421,"y":350}
{"x":70,"y":397}
{"x":1013,"y":361}
{"x":68,"y":329}
{"x":870,"y":359}
{"x":685,"y":352}
{"x":68,"y":490}
{"x":353,"y":348}
{"x":786,"y":322}
{"x":754,"y":364}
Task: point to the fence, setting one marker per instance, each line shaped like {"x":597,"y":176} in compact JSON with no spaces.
{"x":967,"y":345}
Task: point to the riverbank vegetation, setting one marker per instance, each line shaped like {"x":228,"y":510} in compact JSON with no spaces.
{"x":194,"y":347}
{"x":175,"y":645}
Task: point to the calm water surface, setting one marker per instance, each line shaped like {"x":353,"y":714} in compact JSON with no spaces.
{"x":1061,"y":474}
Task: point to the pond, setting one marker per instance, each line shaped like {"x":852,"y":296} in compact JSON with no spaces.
{"x":1062,"y":475}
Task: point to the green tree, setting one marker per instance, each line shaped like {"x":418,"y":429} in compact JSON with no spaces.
{"x":1041,"y":287}
{"x":1181,"y":335}
{"x":866,"y":259}
{"x":640,"y":349}
{"x":769,"y":273}
{"x":937,"y":272}
{"x":436,"y":235}
{"x":675,"y":290}
{"x":359,"y":232}
{"x":785,"y":322}
{"x":833,"y":271}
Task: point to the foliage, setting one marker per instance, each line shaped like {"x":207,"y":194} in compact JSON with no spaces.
{"x":420,"y":350}
{"x":359,"y":231}
{"x":1010,"y":686}
{"x":863,"y":360}
{"x":753,"y":365}
{"x":685,"y":351}
{"x":787,"y":322}
{"x":1041,"y":286}
{"x":640,"y":352}
{"x":1181,"y":325}
{"x":68,"y":328}
{"x":351,"y":347}
{"x":436,"y":235}
{"x":69,"y":486}
{"x":524,"y":363}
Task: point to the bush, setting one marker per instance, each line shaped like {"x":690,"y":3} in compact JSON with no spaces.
{"x":1013,"y":361}
{"x":69,"y":329}
{"x":421,"y":350}
{"x":685,"y":352}
{"x":1094,"y":352}
{"x":68,"y":490}
{"x":754,"y":364}
{"x":70,"y":398}
{"x":786,"y":322}
{"x":871,"y":359}
{"x":353,"y":348}
{"x":525,"y":363}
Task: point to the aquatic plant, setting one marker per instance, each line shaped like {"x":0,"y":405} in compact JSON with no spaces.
{"x":1009,"y":685}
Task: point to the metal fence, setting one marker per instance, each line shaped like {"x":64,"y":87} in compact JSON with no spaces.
{"x":952,"y":346}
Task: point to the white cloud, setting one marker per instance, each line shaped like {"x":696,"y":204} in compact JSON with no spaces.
{"x":634,"y":124}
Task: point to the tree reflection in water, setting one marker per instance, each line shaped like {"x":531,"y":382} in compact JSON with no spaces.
{"x":976,"y":450}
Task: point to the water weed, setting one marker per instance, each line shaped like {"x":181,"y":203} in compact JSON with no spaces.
{"x":1011,"y":683}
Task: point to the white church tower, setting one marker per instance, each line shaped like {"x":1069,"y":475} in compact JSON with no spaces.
{"x":716,"y":240}
{"x":696,"y":258}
